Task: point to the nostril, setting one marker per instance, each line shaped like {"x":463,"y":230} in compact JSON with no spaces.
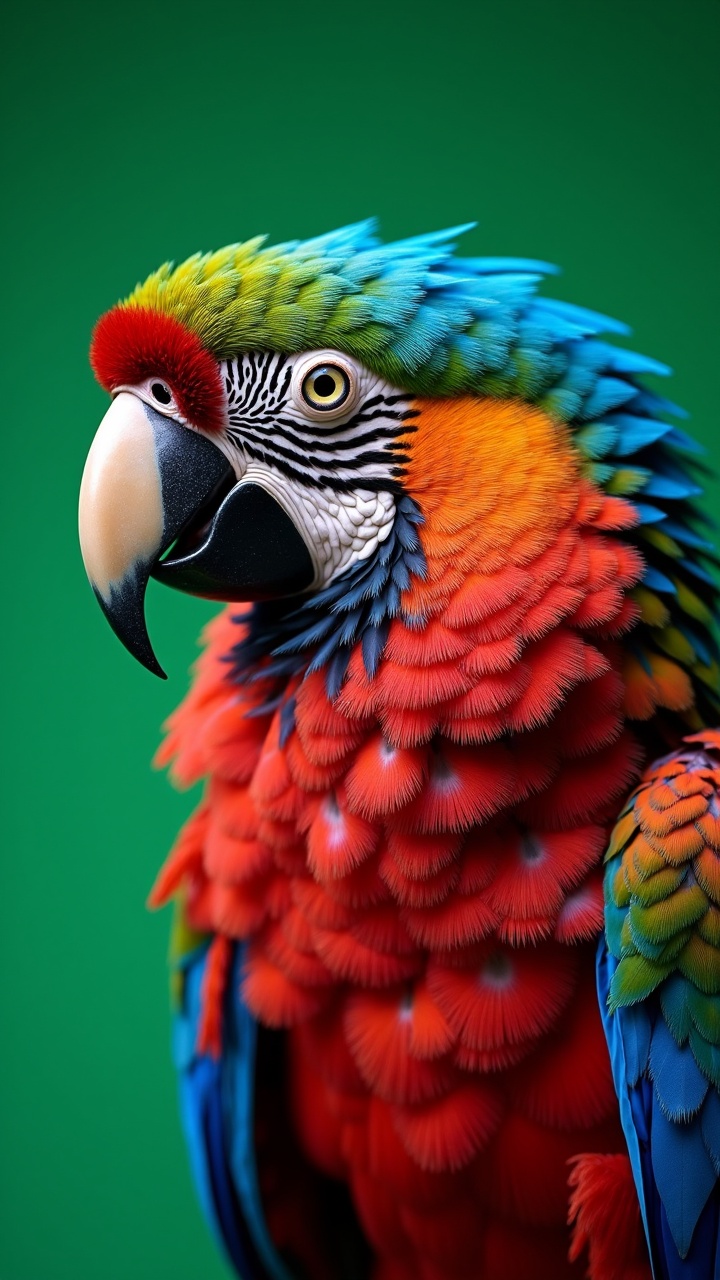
{"x":161,"y":393}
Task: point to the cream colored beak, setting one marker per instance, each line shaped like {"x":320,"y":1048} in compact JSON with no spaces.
{"x":121,"y":508}
{"x":145,"y":479}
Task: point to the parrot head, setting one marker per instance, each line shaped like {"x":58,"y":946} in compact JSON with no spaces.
{"x":313,"y":426}
{"x":259,"y":476}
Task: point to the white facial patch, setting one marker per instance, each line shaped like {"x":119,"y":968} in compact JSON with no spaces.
{"x":350,"y":526}
{"x":334,"y":471}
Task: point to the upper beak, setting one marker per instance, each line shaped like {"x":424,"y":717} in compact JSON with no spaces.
{"x":149,"y":483}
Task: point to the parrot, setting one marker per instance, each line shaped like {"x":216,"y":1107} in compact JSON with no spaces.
{"x":445,"y":959}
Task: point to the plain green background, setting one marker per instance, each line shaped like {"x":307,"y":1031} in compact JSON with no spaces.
{"x":584,"y":133}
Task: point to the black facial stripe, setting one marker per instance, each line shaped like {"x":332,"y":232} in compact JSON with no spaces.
{"x":338,"y":430}
{"x":279,"y":364}
{"x":362,"y":416}
{"x":346,"y":447}
{"x":267,"y":424}
{"x":307,"y":459}
{"x":260,"y":384}
{"x":325,"y":480}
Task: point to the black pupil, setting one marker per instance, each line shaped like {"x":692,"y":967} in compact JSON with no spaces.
{"x":161,"y":392}
{"x":324,"y":385}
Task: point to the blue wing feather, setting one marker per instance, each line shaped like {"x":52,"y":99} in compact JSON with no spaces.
{"x":217,"y":1107}
{"x":672,"y":1130}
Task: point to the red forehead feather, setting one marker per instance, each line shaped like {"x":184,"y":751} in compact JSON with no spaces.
{"x":133,"y":343}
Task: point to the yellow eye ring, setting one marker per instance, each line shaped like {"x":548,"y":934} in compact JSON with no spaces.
{"x":325,"y":384}
{"x":326,"y":387}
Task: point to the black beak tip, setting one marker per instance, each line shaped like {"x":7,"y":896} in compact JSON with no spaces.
{"x":125,"y":613}
{"x":152,"y":665}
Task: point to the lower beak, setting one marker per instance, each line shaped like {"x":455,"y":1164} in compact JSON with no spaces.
{"x":152,"y":486}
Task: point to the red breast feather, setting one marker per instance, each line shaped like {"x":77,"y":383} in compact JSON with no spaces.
{"x":416,"y":866}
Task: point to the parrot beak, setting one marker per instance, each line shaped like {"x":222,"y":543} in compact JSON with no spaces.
{"x":152,"y":486}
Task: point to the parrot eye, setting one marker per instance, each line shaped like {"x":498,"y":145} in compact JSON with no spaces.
{"x":325,"y":386}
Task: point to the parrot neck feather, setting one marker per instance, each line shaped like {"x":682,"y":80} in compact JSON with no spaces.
{"x":281,"y":640}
